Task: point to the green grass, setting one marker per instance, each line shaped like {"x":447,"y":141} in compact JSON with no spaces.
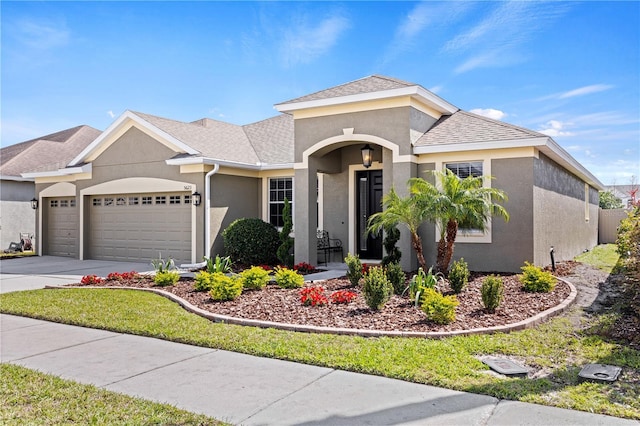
{"x":30,"y":397}
{"x":556,"y":348}
{"x":450,"y":363}
{"x":602,"y":257}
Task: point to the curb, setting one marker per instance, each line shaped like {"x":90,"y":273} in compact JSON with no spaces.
{"x":521,"y":325}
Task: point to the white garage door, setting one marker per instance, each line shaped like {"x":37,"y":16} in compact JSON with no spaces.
{"x":62,"y":227}
{"x":140,"y":227}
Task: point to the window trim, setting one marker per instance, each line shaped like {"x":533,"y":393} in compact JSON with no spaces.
{"x":268,"y":202}
{"x":475,"y":237}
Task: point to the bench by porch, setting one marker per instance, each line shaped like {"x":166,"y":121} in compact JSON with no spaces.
{"x":328,"y":245}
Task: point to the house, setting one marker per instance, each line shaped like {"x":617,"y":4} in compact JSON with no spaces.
{"x":150,"y":186}
{"x":16,"y":192}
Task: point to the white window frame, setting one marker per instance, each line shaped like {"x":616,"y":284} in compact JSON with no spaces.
{"x":478,"y":237}
{"x":267,"y":215}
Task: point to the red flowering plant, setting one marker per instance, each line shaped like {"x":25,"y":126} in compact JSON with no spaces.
{"x":122,"y":276}
{"x":365,"y":268}
{"x":313,"y":296}
{"x":266,"y":267}
{"x":342,"y":296}
{"x":304,"y":268}
{"x":91,"y":279}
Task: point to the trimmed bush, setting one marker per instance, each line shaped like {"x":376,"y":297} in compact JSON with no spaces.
{"x":202,"y":281}
{"x":288,"y":278}
{"x":286,"y":242}
{"x":534,"y":279}
{"x":396,"y":277}
{"x":376,"y":288}
{"x":391,"y":238}
{"x":459,"y":275}
{"x":251,"y":241}
{"x":354,"y":268}
{"x":224,"y":287}
{"x":438,"y":308}
{"x":254,"y":278}
{"x":492,"y":290}
{"x":166,"y":278}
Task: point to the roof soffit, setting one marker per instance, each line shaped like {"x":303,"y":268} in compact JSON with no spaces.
{"x":124,"y":123}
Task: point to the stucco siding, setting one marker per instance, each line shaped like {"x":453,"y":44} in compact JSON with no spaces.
{"x":16,"y":217}
{"x":390,"y":124}
{"x":232,"y":197}
{"x":563,"y":218}
{"x":16,"y":190}
{"x":336,"y":207}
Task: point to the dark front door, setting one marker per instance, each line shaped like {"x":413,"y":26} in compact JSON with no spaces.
{"x":369,"y":198}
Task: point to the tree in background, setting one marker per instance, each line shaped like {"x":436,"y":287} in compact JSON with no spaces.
{"x":608,"y":200}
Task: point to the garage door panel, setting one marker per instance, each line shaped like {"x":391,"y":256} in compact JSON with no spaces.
{"x":62,"y":227}
{"x":142,"y":231}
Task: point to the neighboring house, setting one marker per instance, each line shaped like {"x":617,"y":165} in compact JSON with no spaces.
{"x":628,"y":194}
{"x":16,"y":192}
{"x":136,"y":186}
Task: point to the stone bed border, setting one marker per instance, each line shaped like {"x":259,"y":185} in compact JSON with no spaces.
{"x":521,"y":325}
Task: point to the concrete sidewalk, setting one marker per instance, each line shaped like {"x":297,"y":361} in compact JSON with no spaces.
{"x":232,"y":387}
{"x":248,"y":390}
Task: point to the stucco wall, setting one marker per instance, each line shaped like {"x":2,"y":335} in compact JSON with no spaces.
{"x":232,"y":197}
{"x":16,"y":190}
{"x":16,"y":217}
{"x":560,"y":215}
{"x":391,"y":124}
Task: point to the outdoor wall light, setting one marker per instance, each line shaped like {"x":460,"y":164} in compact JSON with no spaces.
{"x":367,"y":155}
{"x":197,"y":198}
{"x":34,"y":204}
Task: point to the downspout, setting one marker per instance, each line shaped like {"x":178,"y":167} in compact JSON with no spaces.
{"x":207,"y":210}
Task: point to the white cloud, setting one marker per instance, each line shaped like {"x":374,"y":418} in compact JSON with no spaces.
{"x":111,"y":114}
{"x":436,"y":89}
{"x":497,"y":39}
{"x":555,"y":128}
{"x":42,"y":34}
{"x":496,"y":114}
{"x":586,"y":90}
{"x":305,"y":42}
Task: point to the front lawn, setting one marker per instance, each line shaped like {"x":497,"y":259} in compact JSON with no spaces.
{"x":554,"y":351}
{"x":30,"y":397}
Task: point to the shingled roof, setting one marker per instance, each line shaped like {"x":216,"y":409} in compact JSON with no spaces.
{"x":268,"y":141}
{"x":374,"y":83}
{"x":465,"y":127}
{"x":46,"y":153}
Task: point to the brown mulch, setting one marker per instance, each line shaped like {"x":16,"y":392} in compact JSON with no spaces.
{"x":399,"y":314}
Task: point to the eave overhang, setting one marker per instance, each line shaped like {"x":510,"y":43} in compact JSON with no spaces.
{"x":546,"y":145}
{"x":67,"y":171}
{"x":184,"y":161}
{"x":416,"y":92}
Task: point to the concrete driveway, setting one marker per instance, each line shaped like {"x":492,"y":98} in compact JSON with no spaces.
{"x":29,"y":273}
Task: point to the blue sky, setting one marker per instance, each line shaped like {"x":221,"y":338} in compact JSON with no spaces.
{"x":568,"y":69}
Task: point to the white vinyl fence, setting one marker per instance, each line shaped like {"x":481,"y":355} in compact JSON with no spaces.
{"x":608,"y":222}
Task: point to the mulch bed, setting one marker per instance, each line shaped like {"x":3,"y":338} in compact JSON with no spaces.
{"x":399,"y":314}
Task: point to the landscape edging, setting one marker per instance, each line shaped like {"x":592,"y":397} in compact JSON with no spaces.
{"x":521,"y":325}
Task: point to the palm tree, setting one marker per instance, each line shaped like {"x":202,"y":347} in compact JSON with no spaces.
{"x":407,"y":211}
{"x":456,"y":203}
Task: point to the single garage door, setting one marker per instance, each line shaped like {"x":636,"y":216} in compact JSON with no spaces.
{"x":62,"y":227}
{"x":140,"y":227}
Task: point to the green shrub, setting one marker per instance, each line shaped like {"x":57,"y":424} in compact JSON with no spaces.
{"x":161,"y":265}
{"x":391,"y":238}
{"x":376,"y":288}
{"x":422,"y":281}
{"x":219,"y":264}
{"x":286,"y":242}
{"x":166,"y":278}
{"x":254,"y":278}
{"x":251,"y":241}
{"x":628,"y":241}
{"x":534,"y":279}
{"x":224,"y":287}
{"x":396,"y":277}
{"x":288,"y":278}
{"x":202,"y":281}
{"x":459,"y":275}
{"x":439,"y":309}
{"x":354,"y":268}
{"x":492,"y":290}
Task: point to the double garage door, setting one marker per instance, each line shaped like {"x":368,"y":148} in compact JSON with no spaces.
{"x":140,"y":227}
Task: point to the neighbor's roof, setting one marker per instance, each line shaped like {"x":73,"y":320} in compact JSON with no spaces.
{"x":465,"y":127}
{"x":50,"y":152}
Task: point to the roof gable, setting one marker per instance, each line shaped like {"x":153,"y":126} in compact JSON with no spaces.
{"x":46,"y":153}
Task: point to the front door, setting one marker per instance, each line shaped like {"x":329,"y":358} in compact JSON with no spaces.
{"x":369,"y":201}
